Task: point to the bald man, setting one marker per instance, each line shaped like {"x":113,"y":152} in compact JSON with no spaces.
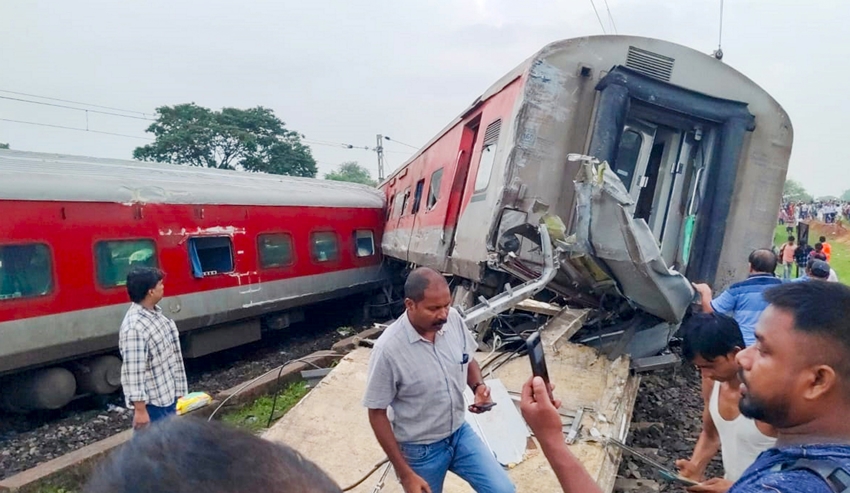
{"x":744,"y":301}
{"x":419,"y":368}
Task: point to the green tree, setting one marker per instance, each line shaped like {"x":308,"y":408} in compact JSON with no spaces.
{"x":250,"y":140}
{"x":353,"y":172}
{"x":4,"y":146}
{"x":794,"y":191}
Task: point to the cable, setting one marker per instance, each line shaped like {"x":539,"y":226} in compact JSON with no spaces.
{"x":611,"y":17}
{"x":246,"y":384}
{"x":402,"y":143}
{"x":364,"y":478}
{"x":598,"y":18}
{"x":78,"y":109}
{"x":720,"y":34}
{"x":73,"y":102}
{"x":74,"y":128}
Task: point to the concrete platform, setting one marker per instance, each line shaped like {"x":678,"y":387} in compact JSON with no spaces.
{"x":330,"y":427}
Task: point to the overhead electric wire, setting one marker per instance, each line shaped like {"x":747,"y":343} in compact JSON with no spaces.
{"x":402,"y":143}
{"x":598,"y":18}
{"x":78,"y":109}
{"x":74,"y":102}
{"x":611,"y":17}
{"x":74,"y":128}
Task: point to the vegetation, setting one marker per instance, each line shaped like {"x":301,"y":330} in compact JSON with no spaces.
{"x":352,"y":172}
{"x":795,"y":191}
{"x":840,"y":259}
{"x":4,"y":146}
{"x":250,"y":140}
{"x":255,"y":416}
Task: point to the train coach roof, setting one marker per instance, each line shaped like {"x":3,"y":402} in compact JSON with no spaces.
{"x":56,"y":177}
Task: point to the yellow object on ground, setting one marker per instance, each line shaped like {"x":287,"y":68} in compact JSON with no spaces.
{"x":195,"y":400}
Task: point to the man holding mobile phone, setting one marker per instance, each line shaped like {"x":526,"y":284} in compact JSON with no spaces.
{"x":418,"y":369}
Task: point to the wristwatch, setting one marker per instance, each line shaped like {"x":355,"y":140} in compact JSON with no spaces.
{"x":476,"y":385}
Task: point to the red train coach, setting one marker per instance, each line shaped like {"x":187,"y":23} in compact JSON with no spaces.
{"x":696,"y":159}
{"x":242,"y":252}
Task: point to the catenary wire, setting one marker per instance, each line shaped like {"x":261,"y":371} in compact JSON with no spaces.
{"x":611,"y":17}
{"x":74,"y":102}
{"x":74,"y":128}
{"x":598,"y":18}
{"x":20,"y":100}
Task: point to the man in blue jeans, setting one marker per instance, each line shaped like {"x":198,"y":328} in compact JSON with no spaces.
{"x":152,"y":372}
{"x":418,"y":369}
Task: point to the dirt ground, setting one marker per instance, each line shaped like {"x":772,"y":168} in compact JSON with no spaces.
{"x":666,"y":423}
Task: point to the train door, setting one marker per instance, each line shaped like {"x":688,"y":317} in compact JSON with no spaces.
{"x":633,"y":155}
{"x":464,"y":158}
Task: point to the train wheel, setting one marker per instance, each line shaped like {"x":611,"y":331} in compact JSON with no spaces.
{"x":47,"y":388}
{"x":101,"y":375}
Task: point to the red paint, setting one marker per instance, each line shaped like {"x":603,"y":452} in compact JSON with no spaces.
{"x":71,"y":229}
{"x":457,"y":151}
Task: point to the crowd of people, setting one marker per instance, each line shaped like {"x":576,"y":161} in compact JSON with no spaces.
{"x":829,"y":211}
{"x":774,"y":357}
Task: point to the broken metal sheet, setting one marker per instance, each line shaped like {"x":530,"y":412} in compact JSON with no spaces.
{"x":501,"y":428}
{"x":607,"y":231}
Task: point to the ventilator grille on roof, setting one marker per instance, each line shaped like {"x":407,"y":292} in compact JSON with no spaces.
{"x":648,"y":63}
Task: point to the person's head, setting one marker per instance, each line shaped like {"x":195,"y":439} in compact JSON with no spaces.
{"x":145,"y":283}
{"x":762,"y":261}
{"x":427,"y":299}
{"x":187,"y":455}
{"x":791,"y":239}
{"x":710,"y":341}
{"x":818,"y":247}
{"x":798,"y":372}
{"x":822,"y":239}
{"x":818,"y":270}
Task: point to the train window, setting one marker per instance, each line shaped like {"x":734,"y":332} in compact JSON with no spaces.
{"x":275,"y":250}
{"x":417,"y":197}
{"x":488,"y":155}
{"x":210,"y":255}
{"x":25,"y":271}
{"x":404,"y":198}
{"x":114,"y":259}
{"x":364,"y":243}
{"x":627,"y":156}
{"x":434,"y":189}
{"x":325,"y":247}
{"x":390,"y":206}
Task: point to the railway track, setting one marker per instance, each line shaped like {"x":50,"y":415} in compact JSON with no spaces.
{"x":28,"y":440}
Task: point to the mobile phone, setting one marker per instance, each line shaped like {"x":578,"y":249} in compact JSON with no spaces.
{"x":535,"y":354}
{"x":482,"y":407}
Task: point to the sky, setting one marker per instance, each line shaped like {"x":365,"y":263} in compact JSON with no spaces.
{"x":342,"y":71}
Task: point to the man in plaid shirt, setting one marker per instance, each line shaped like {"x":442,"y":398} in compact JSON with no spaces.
{"x":152,"y":373}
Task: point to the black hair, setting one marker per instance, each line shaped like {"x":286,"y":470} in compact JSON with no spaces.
{"x":763,"y":260}
{"x":790,"y":237}
{"x":183,"y":455}
{"x":710,"y":335}
{"x":823,"y":239}
{"x":418,"y":281}
{"x":818,"y":247}
{"x":819,"y":308}
{"x":140,"y":280}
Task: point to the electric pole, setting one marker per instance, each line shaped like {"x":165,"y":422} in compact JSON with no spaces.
{"x":379,"y":149}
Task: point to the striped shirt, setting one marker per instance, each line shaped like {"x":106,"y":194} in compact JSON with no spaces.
{"x":421,"y":382}
{"x":744,"y":301}
{"x":152,"y":371}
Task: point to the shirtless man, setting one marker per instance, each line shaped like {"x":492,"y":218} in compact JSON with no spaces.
{"x":711,"y":342}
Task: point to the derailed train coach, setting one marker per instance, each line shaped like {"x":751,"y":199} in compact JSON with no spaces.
{"x":648,"y":164}
{"x":244,"y":255}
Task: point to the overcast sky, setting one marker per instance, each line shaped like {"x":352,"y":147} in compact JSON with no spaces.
{"x":346,"y":70}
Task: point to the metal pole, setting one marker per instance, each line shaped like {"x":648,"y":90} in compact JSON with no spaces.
{"x":379,"y":148}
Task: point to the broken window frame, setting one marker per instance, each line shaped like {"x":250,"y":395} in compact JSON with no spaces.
{"x":434,"y":189}
{"x":195,"y":255}
{"x":356,"y":237}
